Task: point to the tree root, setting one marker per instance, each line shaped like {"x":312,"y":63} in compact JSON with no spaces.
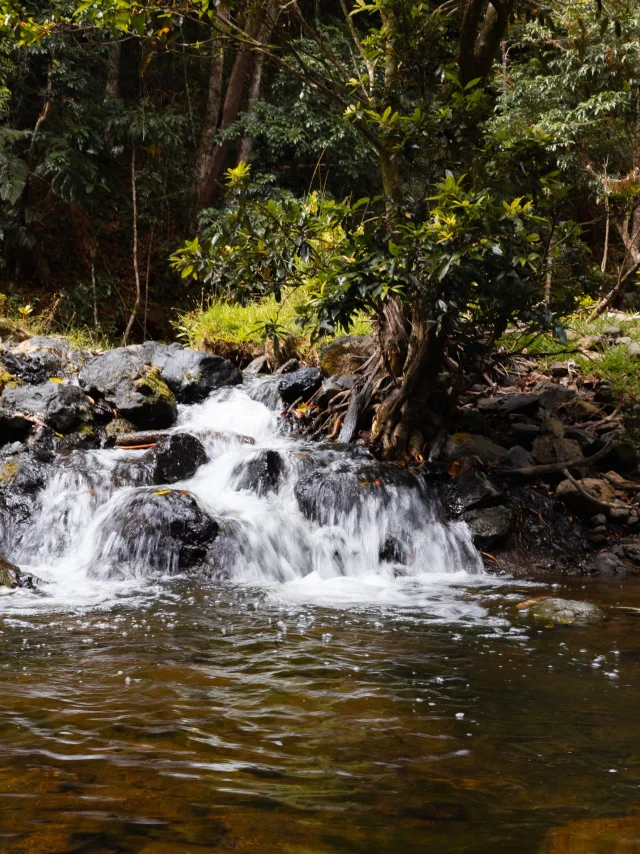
{"x":552,"y":468}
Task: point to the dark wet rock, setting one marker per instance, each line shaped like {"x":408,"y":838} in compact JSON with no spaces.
{"x":489,"y":526}
{"x":190,"y":375}
{"x":552,"y":427}
{"x":331,"y":484}
{"x":469,"y":445}
{"x":519,"y":458}
{"x":607,"y":565}
{"x":177,"y":457}
{"x":331,"y":387}
{"x":554,"y":449}
{"x":586,"y":441}
{"x":22,"y":369}
{"x":60,"y":406}
{"x":24,"y":470}
{"x":394,"y":551}
{"x":166,"y":530}
{"x":604,"y":393}
{"x":261,"y":474}
{"x":346,"y":354}
{"x":289,"y":366}
{"x":475,"y":489}
{"x":599,"y":519}
{"x":505,"y":404}
{"x":299,"y":384}
{"x":631,"y":551}
{"x":525,"y":432}
{"x":259,"y":365}
{"x":564,"y":612}
{"x":13,"y":577}
{"x":552,"y":395}
{"x":601,"y":490}
{"x":86,"y":437}
{"x":623,"y":455}
{"x":134,"y":389}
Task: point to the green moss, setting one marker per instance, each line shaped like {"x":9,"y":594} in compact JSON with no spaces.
{"x":86,"y":430}
{"x":153,"y":384}
{"x":119,"y":427}
{"x":8,"y":380}
{"x":9,"y":470}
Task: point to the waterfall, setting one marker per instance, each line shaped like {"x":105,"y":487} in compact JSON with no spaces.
{"x":285,"y":510}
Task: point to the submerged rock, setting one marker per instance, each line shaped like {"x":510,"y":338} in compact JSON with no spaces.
{"x":261,"y":474}
{"x":12,"y":577}
{"x":607,"y":565}
{"x":564,"y":612}
{"x":155,"y":531}
{"x":301,"y":384}
{"x":60,"y":406}
{"x":489,"y":525}
{"x":177,"y":457}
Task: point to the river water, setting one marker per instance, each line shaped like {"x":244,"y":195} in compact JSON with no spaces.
{"x":319,"y":692}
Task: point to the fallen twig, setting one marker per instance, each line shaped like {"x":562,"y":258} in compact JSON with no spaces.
{"x":551,"y":468}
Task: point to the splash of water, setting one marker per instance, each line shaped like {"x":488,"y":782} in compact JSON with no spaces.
{"x":308,"y":519}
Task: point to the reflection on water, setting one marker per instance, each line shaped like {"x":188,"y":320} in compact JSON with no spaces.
{"x":250,"y":719}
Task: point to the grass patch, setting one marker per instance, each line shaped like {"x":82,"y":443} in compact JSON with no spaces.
{"x":231,"y":329}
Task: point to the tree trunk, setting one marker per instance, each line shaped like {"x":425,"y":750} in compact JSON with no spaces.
{"x":230,"y":110}
{"x":246,"y":144}
{"x":112,"y":86}
{"x":134,"y":199}
{"x":206,"y":147}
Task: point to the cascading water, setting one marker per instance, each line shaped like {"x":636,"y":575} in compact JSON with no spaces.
{"x":286,"y":511}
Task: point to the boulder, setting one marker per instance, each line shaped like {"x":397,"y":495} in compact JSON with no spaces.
{"x":289,"y":366}
{"x":471,"y":445}
{"x":519,"y":458}
{"x":190,"y":375}
{"x":60,"y":406}
{"x":261,"y":473}
{"x":55,"y":354}
{"x":607,"y":565}
{"x":554,"y":449}
{"x":331,"y":387}
{"x":490,"y":525}
{"x":564,"y":612}
{"x":505,"y":404}
{"x":12,"y":577}
{"x":177,"y":457}
{"x":134,"y":389}
{"x":259,"y":365}
{"x":569,"y":494}
{"x":299,"y":384}
{"x":24,"y":470}
{"x":475,"y":489}
{"x":154,"y":531}
{"x":345,"y":355}
{"x":552,"y":395}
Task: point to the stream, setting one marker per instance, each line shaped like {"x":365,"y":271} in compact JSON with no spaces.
{"x":337,"y":674}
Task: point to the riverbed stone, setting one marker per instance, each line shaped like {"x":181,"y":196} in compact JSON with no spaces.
{"x":12,"y":577}
{"x":261,"y":474}
{"x":607,"y":565}
{"x":346,"y":354}
{"x":190,"y":375}
{"x":475,"y":489}
{"x":58,"y":405}
{"x":551,"y":449}
{"x":519,"y":458}
{"x":299,"y":384}
{"x":489,"y":526}
{"x":178,"y":456}
{"x":472,"y":445}
{"x":553,"y":395}
{"x":571,"y":496}
{"x":331,"y":387}
{"x":505,"y":404}
{"x":564,"y":612}
{"x":136,"y":390}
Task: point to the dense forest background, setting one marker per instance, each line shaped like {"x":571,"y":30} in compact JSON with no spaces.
{"x":448,"y":171}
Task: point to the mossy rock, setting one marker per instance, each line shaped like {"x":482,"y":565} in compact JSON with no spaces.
{"x":564,"y":612}
{"x":9,"y":470}
{"x":12,"y":577}
{"x":119,"y":427}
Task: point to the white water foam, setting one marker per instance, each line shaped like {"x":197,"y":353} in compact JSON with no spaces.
{"x":339,"y":528}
